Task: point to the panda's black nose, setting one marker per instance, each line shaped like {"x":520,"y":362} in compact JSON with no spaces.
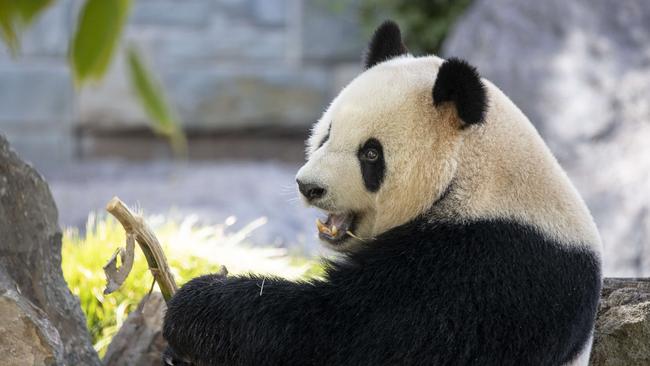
{"x":311,"y":191}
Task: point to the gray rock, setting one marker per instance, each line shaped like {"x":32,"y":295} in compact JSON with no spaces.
{"x":26,"y":335}
{"x":25,"y":332}
{"x":581,"y":71}
{"x":139,"y":341}
{"x":30,"y":252}
{"x":622,"y":336}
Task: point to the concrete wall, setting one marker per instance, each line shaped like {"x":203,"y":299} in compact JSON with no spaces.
{"x":226,"y":65}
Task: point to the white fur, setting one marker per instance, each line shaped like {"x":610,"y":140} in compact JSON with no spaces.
{"x":583,"y":358}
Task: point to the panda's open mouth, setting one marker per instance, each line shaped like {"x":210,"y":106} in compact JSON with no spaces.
{"x":336,"y":228}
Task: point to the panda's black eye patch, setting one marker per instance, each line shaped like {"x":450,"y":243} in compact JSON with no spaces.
{"x":373,"y":165}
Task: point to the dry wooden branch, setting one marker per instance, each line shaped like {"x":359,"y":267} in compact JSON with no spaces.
{"x":115,"y":277}
{"x":134,"y":225}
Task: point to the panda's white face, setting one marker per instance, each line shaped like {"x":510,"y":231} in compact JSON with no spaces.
{"x":381,"y":154}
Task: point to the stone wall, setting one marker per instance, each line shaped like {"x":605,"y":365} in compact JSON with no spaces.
{"x":225,"y":64}
{"x":36,"y":93}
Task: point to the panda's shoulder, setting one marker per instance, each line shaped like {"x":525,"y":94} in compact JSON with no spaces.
{"x":502,"y":243}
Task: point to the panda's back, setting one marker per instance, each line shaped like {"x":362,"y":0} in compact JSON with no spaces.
{"x":488,"y":292}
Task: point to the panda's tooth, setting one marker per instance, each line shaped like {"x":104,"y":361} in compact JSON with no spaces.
{"x":354,"y":236}
{"x":322,"y":227}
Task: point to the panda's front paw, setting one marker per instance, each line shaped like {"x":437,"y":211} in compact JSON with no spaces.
{"x":170,"y":358}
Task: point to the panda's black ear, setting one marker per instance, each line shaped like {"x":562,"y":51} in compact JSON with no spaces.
{"x":459,"y":82}
{"x":385,"y":44}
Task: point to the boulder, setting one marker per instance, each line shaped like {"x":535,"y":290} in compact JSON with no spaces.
{"x":26,"y":335}
{"x":30,"y":258}
{"x":581,"y":71}
{"x":622,"y":336}
{"x":139,"y":341}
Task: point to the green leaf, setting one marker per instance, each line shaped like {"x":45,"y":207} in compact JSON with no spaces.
{"x":29,"y":9}
{"x":15,"y":16}
{"x":7,"y":24}
{"x":150,"y":94}
{"x":98,"y":32}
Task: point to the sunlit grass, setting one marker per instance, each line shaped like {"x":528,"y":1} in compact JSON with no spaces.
{"x":191,"y":250}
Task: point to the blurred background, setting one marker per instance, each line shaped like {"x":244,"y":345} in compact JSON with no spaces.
{"x":197,"y":111}
{"x":245,"y":79}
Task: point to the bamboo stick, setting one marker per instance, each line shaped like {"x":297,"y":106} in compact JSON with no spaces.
{"x":146,"y":239}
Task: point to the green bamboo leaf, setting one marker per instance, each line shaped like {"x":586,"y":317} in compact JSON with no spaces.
{"x":153,"y":101}
{"x":30,"y":9}
{"x":15,"y":16}
{"x":7,"y":24}
{"x":98,"y":32}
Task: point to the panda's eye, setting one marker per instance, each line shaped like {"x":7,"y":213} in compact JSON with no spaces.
{"x":371,"y":161}
{"x":371,"y":155}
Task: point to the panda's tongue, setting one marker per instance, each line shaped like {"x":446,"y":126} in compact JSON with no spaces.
{"x":335,"y":227}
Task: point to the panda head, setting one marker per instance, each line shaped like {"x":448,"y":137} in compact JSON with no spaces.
{"x":385,"y":150}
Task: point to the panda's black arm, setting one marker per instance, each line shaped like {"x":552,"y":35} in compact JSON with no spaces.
{"x":247,"y":320}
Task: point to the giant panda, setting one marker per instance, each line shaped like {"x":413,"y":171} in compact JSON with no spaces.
{"x":462,"y":240}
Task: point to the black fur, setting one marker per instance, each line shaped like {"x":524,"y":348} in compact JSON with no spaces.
{"x":482,"y":293}
{"x":385,"y":44}
{"x":459,"y":82}
{"x":373,"y":172}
